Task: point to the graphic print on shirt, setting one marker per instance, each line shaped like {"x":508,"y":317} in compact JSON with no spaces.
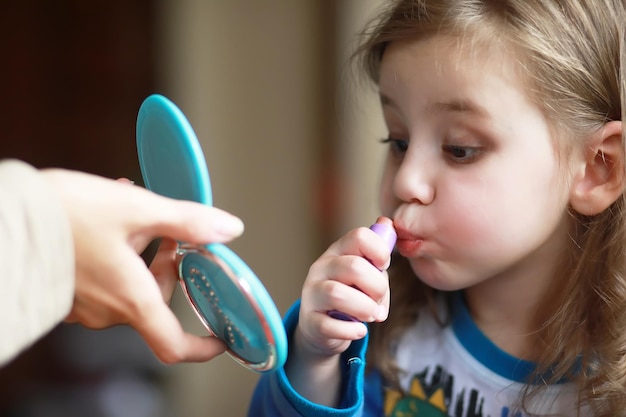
{"x":430,"y":395}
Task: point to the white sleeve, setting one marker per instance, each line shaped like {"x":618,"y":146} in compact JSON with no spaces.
{"x":36,"y":259}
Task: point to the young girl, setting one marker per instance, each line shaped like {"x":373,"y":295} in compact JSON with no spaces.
{"x":505,"y":183}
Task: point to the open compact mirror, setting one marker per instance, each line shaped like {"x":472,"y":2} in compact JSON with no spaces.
{"x":226,"y":295}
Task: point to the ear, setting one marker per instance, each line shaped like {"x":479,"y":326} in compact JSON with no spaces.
{"x":600,"y":180}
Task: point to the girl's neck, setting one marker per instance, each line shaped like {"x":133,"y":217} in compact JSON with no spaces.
{"x":511,"y":308}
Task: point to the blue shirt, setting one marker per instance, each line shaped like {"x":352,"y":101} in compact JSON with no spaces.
{"x":452,"y":370}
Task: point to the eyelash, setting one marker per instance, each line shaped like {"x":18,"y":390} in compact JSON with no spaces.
{"x":398,"y":146}
{"x":455,"y":153}
{"x":462,"y":154}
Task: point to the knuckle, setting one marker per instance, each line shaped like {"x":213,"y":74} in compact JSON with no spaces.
{"x":171,"y":355}
{"x":325,"y":328}
{"x":378,"y":290}
{"x":360,"y":234}
{"x":334,"y":292}
{"x":315,"y":269}
{"x":140,"y":306}
{"x":355,"y":265}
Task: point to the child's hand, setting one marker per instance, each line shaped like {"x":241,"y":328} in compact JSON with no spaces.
{"x":350,"y":278}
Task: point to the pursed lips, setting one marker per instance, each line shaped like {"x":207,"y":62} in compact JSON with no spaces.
{"x":408,"y":243}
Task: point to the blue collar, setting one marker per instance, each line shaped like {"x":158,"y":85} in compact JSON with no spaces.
{"x":483,"y":349}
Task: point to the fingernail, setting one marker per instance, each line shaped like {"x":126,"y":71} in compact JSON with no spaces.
{"x":387,"y":265}
{"x":362,"y":331}
{"x":381,"y":312}
{"x":387,"y":232}
{"x":230,"y":226}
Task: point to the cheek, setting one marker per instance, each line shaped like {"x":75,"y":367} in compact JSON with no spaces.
{"x":467,"y":217}
{"x":507,"y":215}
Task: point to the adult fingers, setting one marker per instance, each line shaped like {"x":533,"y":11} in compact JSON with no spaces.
{"x":163,"y":267}
{"x":146,"y":311}
{"x":170,"y":343}
{"x":193,"y":222}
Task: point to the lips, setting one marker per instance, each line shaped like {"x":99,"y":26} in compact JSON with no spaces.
{"x":409,"y":248}
{"x":408,"y":244}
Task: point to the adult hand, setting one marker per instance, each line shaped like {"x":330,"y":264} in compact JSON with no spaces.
{"x":112,"y":222}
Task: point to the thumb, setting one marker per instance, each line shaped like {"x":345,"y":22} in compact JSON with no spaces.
{"x":170,"y":343}
{"x":161,"y":329}
{"x":194,"y":222}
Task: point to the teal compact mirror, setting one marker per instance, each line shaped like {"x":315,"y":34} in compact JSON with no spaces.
{"x":224,"y":292}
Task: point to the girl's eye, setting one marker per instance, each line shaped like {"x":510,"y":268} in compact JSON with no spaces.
{"x":462,"y":154}
{"x":398,"y":147}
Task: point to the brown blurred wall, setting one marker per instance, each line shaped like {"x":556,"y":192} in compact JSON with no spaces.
{"x":264,"y":84}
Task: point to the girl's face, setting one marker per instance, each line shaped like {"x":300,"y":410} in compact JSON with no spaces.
{"x":472,"y":180}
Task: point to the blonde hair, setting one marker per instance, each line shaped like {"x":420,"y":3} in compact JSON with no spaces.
{"x":571,"y":54}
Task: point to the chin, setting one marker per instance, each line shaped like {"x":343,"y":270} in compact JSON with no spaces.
{"x":438,"y":279}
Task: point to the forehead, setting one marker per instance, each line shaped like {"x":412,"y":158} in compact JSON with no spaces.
{"x":456,"y":58}
{"x":445,"y":69}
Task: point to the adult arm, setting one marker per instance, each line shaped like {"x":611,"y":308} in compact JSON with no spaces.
{"x":36,"y":258}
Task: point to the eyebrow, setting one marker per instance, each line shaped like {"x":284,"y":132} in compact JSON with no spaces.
{"x":453,"y":106}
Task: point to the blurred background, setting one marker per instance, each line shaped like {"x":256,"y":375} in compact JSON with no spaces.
{"x":290,"y":137}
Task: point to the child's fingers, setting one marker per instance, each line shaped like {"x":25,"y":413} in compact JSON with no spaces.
{"x":383,"y":306}
{"x":327,"y":336}
{"x":362,"y":242}
{"x":333,"y":296}
{"x":334,"y":333}
{"x":351,"y":271}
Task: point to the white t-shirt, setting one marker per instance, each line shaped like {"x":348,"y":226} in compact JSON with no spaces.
{"x":457,"y":370}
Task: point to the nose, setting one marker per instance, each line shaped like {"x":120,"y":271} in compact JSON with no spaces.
{"x":414,"y":180}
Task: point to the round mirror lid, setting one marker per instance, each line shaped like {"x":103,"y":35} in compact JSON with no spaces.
{"x":171,"y":160}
